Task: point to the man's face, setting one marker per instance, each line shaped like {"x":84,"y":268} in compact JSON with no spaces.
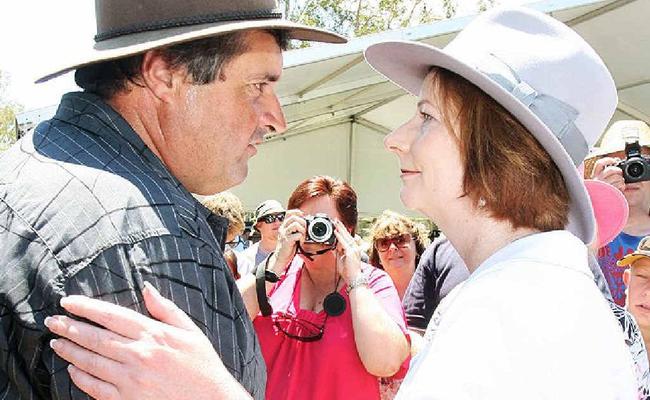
{"x":212,"y":130}
{"x":269,"y":230}
{"x":636,"y":194}
{"x":637,"y":280}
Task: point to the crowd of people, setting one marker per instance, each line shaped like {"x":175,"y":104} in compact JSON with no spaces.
{"x":119,"y":284}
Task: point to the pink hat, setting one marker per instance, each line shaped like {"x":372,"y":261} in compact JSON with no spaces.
{"x":610,"y":208}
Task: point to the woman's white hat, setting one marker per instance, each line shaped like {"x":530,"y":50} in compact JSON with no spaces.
{"x":539,"y":69}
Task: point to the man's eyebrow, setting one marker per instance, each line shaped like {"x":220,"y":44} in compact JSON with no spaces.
{"x":266,"y":77}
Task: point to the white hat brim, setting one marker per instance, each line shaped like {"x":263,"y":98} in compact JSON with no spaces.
{"x":408,"y":63}
{"x":124,"y":46}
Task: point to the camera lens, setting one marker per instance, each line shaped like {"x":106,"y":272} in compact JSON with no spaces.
{"x":635,"y":169}
{"x":319,"y":229}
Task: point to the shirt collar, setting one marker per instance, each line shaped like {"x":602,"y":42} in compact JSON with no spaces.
{"x":559,"y":248}
{"x":91,"y":113}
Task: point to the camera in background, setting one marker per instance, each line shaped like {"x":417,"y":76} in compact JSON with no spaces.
{"x":636,"y":167}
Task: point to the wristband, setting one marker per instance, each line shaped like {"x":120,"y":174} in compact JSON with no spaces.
{"x":359,"y":280}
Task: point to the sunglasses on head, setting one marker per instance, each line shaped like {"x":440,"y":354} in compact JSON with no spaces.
{"x":402,"y":240}
{"x":271,"y":218}
{"x":298,"y":329}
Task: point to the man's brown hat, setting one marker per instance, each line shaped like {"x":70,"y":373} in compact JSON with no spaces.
{"x":128,"y":27}
{"x":643,"y":250}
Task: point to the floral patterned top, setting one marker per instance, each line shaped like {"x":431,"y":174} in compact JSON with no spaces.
{"x":635,"y":344}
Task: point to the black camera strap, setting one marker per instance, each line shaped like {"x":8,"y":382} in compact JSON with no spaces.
{"x":309,"y":255}
{"x":334,"y":303}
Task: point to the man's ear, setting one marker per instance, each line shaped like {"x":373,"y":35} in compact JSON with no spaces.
{"x":626,"y":277}
{"x":159,"y":77}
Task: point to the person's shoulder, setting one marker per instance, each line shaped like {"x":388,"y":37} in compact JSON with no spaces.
{"x":441,"y":255}
{"x":250,"y":251}
{"x":376,"y":276}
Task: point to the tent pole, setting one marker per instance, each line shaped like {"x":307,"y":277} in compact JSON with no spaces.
{"x":351,"y":135}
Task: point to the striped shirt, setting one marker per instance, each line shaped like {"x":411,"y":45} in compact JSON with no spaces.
{"x":86,"y":208}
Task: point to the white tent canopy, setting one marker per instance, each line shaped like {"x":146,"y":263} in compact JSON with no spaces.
{"x":339,"y":110}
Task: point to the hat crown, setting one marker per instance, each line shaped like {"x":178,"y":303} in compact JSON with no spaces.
{"x":644,"y":245}
{"x":562,"y":65}
{"x":615,"y":138}
{"x":120,"y":17}
{"x":268,"y":207}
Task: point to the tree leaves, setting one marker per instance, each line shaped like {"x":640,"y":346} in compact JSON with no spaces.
{"x":8,"y":111}
{"x":355,"y":18}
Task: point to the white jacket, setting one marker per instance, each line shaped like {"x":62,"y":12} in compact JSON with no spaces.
{"x":529,"y":323}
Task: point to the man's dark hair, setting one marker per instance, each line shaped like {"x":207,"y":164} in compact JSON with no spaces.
{"x":203,"y":58}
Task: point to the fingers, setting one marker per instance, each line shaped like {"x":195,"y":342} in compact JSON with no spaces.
{"x":96,"y":339}
{"x":343,"y":236}
{"x":602,"y":164}
{"x":293,"y":212}
{"x":95,"y":388}
{"x":121,"y":320}
{"x":294,"y":222}
{"x":294,"y":227}
{"x":613,"y":176}
{"x":165,"y":310}
{"x":92,"y":363}
{"x":292,"y":231}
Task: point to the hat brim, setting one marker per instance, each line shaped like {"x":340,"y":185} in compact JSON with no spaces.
{"x":610,"y":209}
{"x":127,"y":45}
{"x":408,"y":63}
{"x":630,"y":258}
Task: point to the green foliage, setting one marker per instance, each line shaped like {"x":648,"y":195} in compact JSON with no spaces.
{"x":355,"y":18}
{"x":8,"y":111}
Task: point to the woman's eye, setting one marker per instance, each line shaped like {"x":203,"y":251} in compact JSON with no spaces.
{"x":425,"y":116}
{"x":259,"y":86}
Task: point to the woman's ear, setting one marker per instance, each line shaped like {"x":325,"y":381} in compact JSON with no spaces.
{"x":626,"y":277}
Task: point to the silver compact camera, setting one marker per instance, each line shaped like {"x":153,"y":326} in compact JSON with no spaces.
{"x":320,"y":229}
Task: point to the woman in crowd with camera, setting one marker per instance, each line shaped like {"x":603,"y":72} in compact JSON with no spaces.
{"x":397,"y":244}
{"x":334,"y":324}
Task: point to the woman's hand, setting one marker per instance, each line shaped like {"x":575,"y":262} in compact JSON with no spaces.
{"x":290,"y":233}
{"x":605,"y":170}
{"x":348,"y":253}
{"x":137,"y":357}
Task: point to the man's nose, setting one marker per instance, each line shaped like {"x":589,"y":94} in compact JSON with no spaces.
{"x":273,"y":116}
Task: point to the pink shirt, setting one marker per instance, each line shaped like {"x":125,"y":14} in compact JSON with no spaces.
{"x":329,"y":368}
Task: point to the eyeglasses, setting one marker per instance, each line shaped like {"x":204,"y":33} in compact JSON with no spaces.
{"x":271,"y":218}
{"x":236,"y":241}
{"x":402,"y":240}
{"x":299,"y":329}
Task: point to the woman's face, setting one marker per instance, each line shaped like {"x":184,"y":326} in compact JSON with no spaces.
{"x":399,"y":256}
{"x":429,"y":157}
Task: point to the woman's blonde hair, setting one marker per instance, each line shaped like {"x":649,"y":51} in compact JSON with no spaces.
{"x":389,"y":224}
{"x":229,"y":206}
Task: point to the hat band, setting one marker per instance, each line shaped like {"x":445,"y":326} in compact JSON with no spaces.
{"x":558,"y":116}
{"x":188,"y":21}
